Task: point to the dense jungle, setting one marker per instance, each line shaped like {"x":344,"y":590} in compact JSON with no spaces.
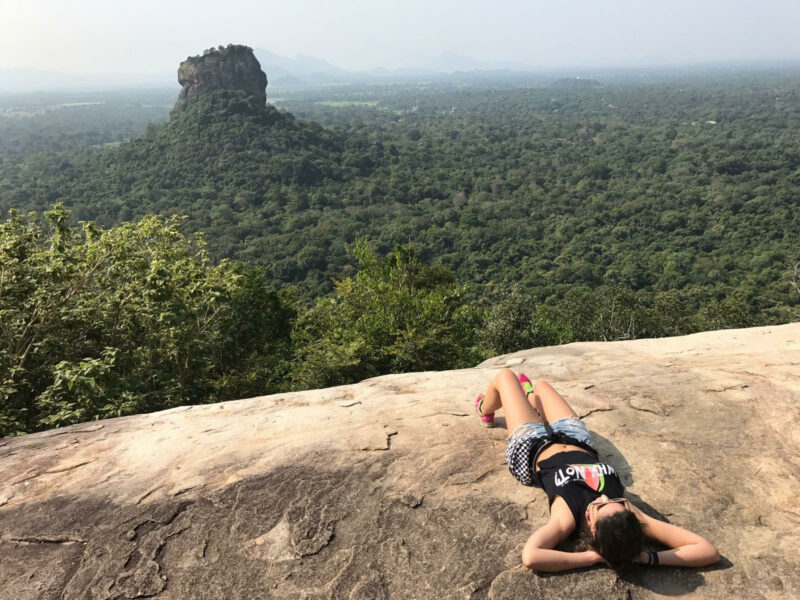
{"x":150,"y":260}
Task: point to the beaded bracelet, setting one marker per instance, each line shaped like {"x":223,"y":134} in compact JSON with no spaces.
{"x":652,"y":558}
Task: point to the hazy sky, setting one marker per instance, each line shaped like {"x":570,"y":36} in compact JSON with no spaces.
{"x":149,"y":36}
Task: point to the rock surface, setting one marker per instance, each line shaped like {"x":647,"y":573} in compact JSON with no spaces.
{"x":390,"y":488}
{"x":229,"y":68}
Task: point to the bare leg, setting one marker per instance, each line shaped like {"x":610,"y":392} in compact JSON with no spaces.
{"x":505,"y":392}
{"x":550,"y":403}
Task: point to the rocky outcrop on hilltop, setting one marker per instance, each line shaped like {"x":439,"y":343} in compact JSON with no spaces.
{"x":390,"y":489}
{"x":224,"y":68}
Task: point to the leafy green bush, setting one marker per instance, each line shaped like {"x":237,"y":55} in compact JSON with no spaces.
{"x":613,"y":312}
{"x":395,"y":315}
{"x":513,"y":323}
{"x":99,"y":323}
{"x":732,"y":311}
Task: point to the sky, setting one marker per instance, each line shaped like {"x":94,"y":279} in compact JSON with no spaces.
{"x":154,"y":36}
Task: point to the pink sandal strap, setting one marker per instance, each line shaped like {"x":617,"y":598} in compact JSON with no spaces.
{"x":526,"y":383}
{"x":487,"y":419}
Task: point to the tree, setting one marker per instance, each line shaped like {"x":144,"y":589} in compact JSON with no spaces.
{"x":97,"y":323}
{"x":395,"y":315}
{"x":794,"y":283}
{"x":733,"y":311}
{"x":606,"y":313}
{"x":513,"y":323}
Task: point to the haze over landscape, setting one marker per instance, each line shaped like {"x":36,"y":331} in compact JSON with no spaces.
{"x":144,"y":40}
{"x":547,"y":173}
{"x":354,"y":213}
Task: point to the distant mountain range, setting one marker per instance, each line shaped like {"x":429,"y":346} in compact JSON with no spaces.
{"x":299,"y":70}
{"x":281,"y":71}
{"x":305,"y":70}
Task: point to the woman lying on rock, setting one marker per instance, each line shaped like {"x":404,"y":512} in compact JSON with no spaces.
{"x":586,"y":495}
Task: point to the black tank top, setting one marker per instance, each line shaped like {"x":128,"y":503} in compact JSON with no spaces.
{"x":578,"y":478}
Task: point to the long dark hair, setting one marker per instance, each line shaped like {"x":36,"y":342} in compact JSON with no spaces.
{"x":618,"y":538}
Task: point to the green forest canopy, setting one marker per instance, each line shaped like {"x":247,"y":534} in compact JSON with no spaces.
{"x":534,"y":215}
{"x":653,"y":187}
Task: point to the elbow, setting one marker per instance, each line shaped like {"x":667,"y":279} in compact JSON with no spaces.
{"x":529,"y":558}
{"x":713,"y":555}
{"x":710,"y":555}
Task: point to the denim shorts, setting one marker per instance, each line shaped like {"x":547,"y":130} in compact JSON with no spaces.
{"x":526,"y":440}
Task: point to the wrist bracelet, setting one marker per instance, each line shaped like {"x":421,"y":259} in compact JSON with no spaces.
{"x":652,"y":558}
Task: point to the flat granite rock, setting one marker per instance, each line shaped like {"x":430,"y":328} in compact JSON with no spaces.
{"x":390,"y":488}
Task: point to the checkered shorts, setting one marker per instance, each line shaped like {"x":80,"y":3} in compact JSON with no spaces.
{"x":526,"y":440}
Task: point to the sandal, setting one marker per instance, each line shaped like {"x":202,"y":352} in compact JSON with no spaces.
{"x":527,"y":386}
{"x":526,"y":383}
{"x":487,"y":420}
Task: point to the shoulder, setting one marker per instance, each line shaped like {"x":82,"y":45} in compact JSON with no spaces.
{"x":561,"y":516}
{"x":558,"y":528}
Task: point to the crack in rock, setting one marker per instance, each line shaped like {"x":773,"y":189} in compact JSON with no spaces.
{"x":649,"y":410}
{"x":178,"y":512}
{"x":69,"y":467}
{"x":376,"y":448}
{"x":151,"y":524}
{"x":146,"y":495}
{"x":133,"y":568}
{"x":595,"y":410}
{"x":464,"y":479}
{"x":37,"y":540}
{"x":89,"y":429}
{"x":738,"y":386}
{"x":645,"y":403}
{"x":27,"y":477}
{"x":34,"y":474}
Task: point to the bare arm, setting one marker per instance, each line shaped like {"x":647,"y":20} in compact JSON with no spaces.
{"x":538,"y":553}
{"x":687,"y":549}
